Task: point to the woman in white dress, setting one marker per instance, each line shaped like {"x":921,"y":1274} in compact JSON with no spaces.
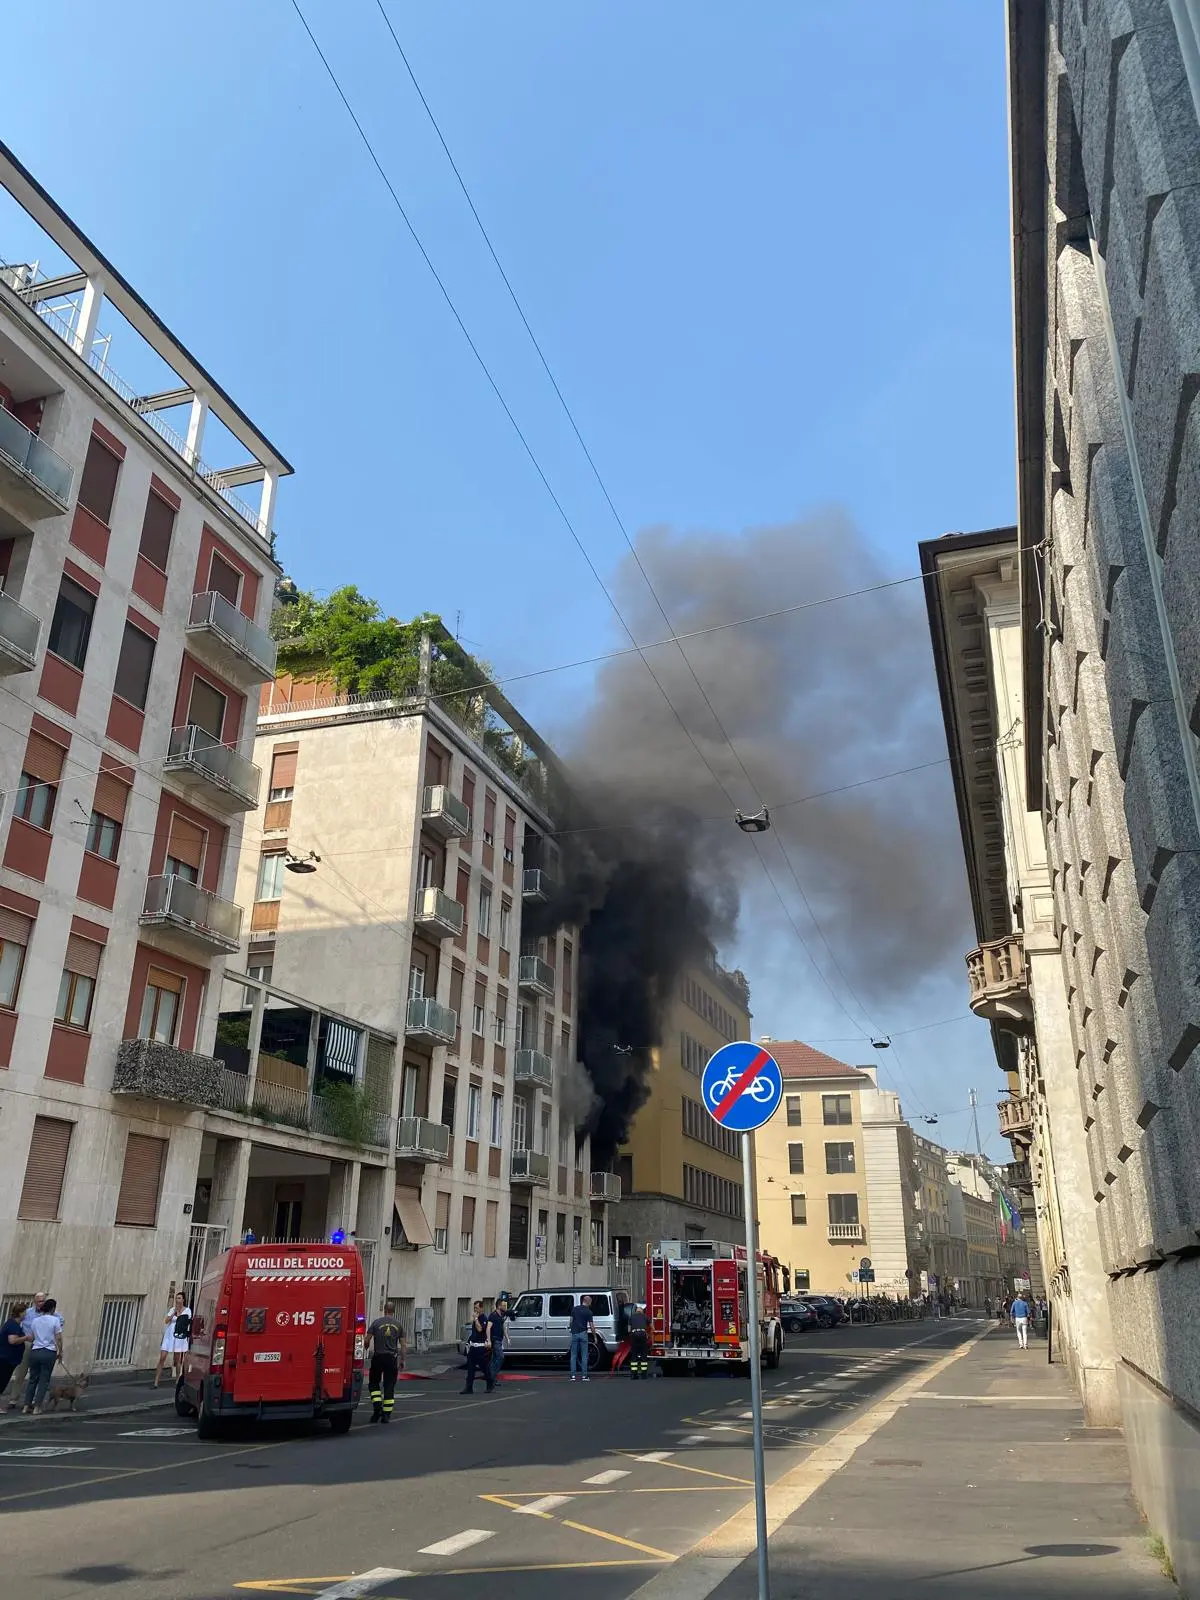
{"x":173,"y":1347}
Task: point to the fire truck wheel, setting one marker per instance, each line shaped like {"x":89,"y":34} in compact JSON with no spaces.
{"x":775,"y":1352}
{"x":340,"y":1421}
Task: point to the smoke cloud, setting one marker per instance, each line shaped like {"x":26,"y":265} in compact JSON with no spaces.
{"x":811,"y":701}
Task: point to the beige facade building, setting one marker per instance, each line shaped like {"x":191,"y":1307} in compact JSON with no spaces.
{"x":893,"y":1182}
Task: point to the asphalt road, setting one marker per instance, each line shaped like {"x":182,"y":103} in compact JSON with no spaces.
{"x":594,"y":1486}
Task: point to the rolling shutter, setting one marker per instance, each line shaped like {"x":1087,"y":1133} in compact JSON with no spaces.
{"x":137,"y":1203}
{"x":98,"y":481}
{"x":157,"y":526}
{"x":14,"y":928}
{"x":283,"y":770}
{"x":468,"y":1214}
{"x":442,"y":1222}
{"x":44,"y":759}
{"x":225,"y":579}
{"x":185,"y":842}
{"x":112,"y":796}
{"x":45,"y":1169}
{"x":83,"y":956}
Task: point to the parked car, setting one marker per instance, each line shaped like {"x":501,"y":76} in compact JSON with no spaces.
{"x":539,"y":1324}
{"x":797,"y":1316}
{"x":830,"y":1311}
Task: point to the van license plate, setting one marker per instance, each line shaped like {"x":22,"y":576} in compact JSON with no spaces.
{"x":268,"y":1355}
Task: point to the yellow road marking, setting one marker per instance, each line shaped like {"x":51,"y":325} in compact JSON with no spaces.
{"x":702,"y":1472}
{"x":292,"y":1585}
{"x":615,"y":1538}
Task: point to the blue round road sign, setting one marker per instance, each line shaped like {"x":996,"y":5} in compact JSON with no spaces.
{"x":742,"y":1086}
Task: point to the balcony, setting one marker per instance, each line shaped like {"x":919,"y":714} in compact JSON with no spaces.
{"x":535,"y":1068}
{"x":1016,"y":1117}
{"x":605,"y":1186}
{"x":153,"y":1071}
{"x":529,"y":1167}
{"x":418,"y":1139}
{"x":845,"y":1232}
{"x":999,"y":982}
{"x":425,"y":1019}
{"x":437,"y":914}
{"x":216,"y":771}
{"x":536,"y":976}
{"x":228,"y":641}
{"x":19,"y":630}
{"x":443,"y":814}
{"x":34,"y":478}
{"x":536,"y":886}
{"x":191,"y":916}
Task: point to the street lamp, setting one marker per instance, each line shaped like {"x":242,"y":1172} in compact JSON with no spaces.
{"x":308,"y":863}
{"x":759,"y":822}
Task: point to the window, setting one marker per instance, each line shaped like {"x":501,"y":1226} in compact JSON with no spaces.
{"x":499,"y":1021}
{"x":14,"y":937}
{"x":478,"y":1019}
{"x":544,"y":1131}
{"x":416,"y":982}
{"x":839,"y":1158}
{"x":496,"y":1133}
{"x":489,"y":817}
{"x":835,"y":1110}
{"x":35,"y":801}
{"x":103,"y":836}
{"x":206,"y":708}
{"x":467,"y":1237}
{"x":160,"y":1005}
{"x":474,"y":1110}
{"x":283,"y":775}
{"x":441,"y":1224}
{"x":843,"y":1210}
{"x":410,"y":1089}
{"x":225,"y":579}
{"x":425,"y":866}
{"x":141,"y":1181}
{"x":485,"y":911}
{"x":518,"y":1245}
{"x":796,"y":1157}
{"x":78,"y":983}
{"x":98,"y":481}
{"x":449,"y":1101}
{"x":270,"y":876}
{"x":799,"y":1210}
{"x":505,"y":925}
{"x":560,"y":1237}
{"x":185,"y":849}
{"x":697,"y":1124}
{"x":71,"y":625}
{"x":158,"y":524}
{"x":133,"y":667}
{"x":45,"y":1168}
{"x":793,"y":1110}
{"x":491,"y":1220}
{"x":526,"y":1030}
{"x":520,"y":1123}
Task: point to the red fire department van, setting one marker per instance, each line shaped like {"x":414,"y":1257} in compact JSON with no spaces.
{"x":278,"y":1332}
{"x":696,"y":1303}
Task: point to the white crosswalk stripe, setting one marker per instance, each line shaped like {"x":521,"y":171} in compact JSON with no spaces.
{"x":611,"y":1476}
{"x":539,"y":1508}
{"x":457,"y":1542}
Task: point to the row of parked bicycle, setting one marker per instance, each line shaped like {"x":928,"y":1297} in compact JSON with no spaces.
{"x":799,"y":1313}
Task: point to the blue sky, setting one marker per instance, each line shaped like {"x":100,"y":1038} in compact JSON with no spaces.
{"x":765,"y":250}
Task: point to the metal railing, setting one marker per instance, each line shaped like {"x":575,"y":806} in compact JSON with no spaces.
{"x":419,"y":1139}
{"x":195,"y":748}
{"x":440,"y":806}
{"x":604,"y":1186}
{"x":436,"y":909}
{"x":533,"y":1066}
{"x":175,"y":900}
{"x":536,"y":884}
{"x":116,"y":1338}
{"x":22,"y":447}
{"x":534,"y":973}
{"x":214,"y":612}
{"x":529,"y":1166}
{"x":19,"y":629}
{"x":205,"y":1240}
{"x":426,"y":1017}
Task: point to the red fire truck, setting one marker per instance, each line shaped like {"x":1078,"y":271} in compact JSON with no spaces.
{"x":696,"y":1303}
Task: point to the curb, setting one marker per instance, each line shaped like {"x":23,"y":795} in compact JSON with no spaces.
{"x":98,"y":1411}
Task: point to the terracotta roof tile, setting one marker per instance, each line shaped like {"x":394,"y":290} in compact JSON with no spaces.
{"x":799,"y":1060}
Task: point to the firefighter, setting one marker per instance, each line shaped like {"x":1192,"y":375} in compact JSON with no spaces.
{"x":387,"y":1354}
{"x":639,"y":1343}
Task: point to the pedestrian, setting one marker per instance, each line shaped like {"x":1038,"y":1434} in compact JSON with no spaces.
{"x":478,"y":1355}
{"x":987,"y":1305}
{"x":387,"y":1357}
{"x":1019,"y":1312}
{"x":581,"y":1327}
{"x":639,"y":1343}
{"x":622,"y":1352}
{"x":176,"y":1336}
{"x":32,"y":1310}
{"x":497,"y":1321}
{"x":12,"y":1348}
{"x":45,"y":1353}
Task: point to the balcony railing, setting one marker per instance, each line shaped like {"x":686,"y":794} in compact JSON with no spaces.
{"x":536,"y":976}
{"x":40,"y":471}
{"x":426,"y":1019}
{"x":196,"y":914}
{"x":536,"y":886}
{"x":1016,"y":1116}
{"x":529,"y":1166}
{"x":845,"y":1232}
{"x":438,"y":914}
{"x":443,"y":813}
{"x":533,"y":1067}
{"x":252,"y":647}
{"x":999,"y":981}
{"x":193,"y":753}
{"x":605,"y":1186}
{"x":19,"y":630}
{"x":418,"y":1139}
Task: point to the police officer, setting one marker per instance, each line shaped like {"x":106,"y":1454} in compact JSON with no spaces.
{"x":639,"y":1343}
{"x":387,"y":1353}
{"x":479,"y":1356}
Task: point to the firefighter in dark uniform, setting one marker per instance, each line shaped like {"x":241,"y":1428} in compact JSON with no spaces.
{"x":387,"y":1355}
{"x":639,"y":1343}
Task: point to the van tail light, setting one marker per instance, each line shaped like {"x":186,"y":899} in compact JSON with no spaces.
{"x":218,"y":1349}
{"x":360,"y":1341}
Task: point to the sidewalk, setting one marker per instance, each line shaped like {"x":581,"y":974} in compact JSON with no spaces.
{"x":985,"y":1485}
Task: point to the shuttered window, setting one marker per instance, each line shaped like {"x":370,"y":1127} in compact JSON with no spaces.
{"x":45,"y":1168}
{"x":283,"y":775}
{"x":158,"y":524}
{"x":141,"y":1180}
{"x":468,"y":1225}
{"x":134,"y":666}
{"x":112,"y":796}
{"x":71,"y":624}
{"x":77,"y":988}
{"x":43,"y":758}
{"x":441,"y":1226}
{"x":14,"y":936}
{"x":83,"y":956}
{"x":160,"y":1006}
{"x":206,"y":708}
{"x":226,"y":580}
{"x":98,"y":482}
{"x":185,"y":848}
{"x":490,"y":1220}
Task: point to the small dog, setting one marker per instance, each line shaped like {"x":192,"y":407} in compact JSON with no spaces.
{"x":70,"y":1390}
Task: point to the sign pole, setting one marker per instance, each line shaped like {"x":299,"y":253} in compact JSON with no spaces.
{"x":752,"y":1311}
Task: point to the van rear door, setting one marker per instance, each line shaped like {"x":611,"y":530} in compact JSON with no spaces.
{"x":294,"y":1318}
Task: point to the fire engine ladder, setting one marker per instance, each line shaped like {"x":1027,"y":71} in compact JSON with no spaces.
{"x":658,"y":1309}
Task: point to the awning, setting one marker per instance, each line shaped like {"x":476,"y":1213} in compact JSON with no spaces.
{"x":413,"y":1221}
{"x":341,"y":1047}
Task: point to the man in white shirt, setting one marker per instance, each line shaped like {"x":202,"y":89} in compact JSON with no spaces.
{"x":45,"y":1351}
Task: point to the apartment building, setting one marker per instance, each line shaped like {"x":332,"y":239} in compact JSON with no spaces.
{"x":890,"y":1164}
{"x":973,"y":1185}
{"x":138,"y":582}
{"x":811,"y":1170}
{"x":681,"y":1174}
{"x":419,"y":899}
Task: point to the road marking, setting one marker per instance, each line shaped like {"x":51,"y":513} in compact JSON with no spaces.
{"x":351,"y":1588}
{"x":457,"y":1542}
{"x":540,"y":1508}
{"x":155,"y":1433}
{"x":694,"y":1438}
{"x":615,"y":1538}
{"x":655,"y":1455}
{"x":610,"y":1476}
{"x":660,"y":1458}
{"x":39,"y":1451}
{"x":1058,"y":1402}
